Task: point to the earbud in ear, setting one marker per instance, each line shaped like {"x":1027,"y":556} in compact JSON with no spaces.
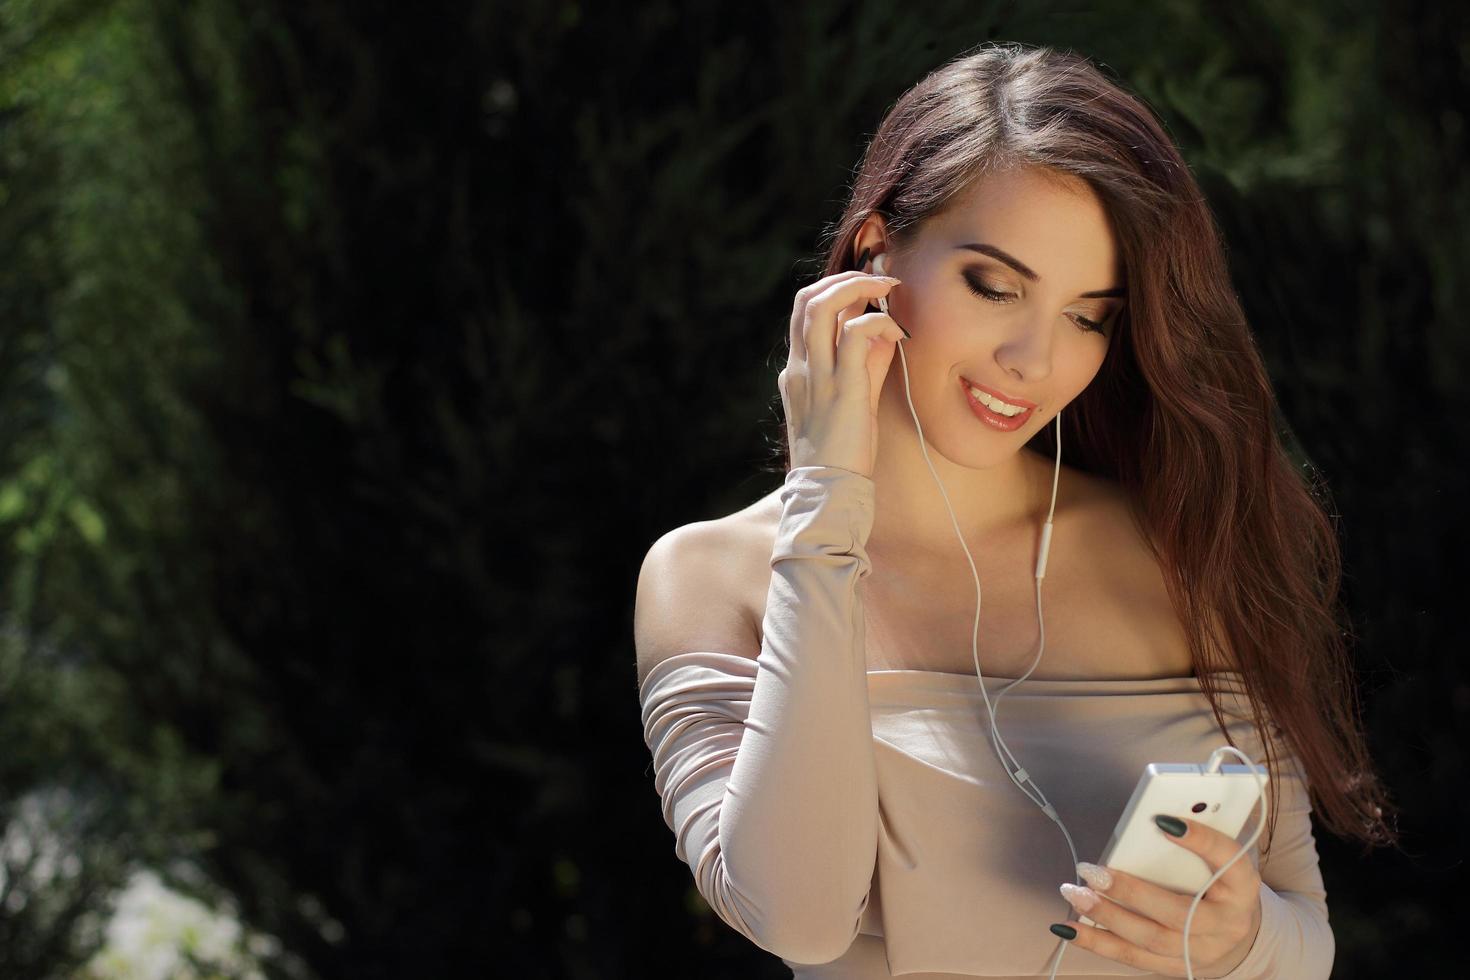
{"x":878,"y":271}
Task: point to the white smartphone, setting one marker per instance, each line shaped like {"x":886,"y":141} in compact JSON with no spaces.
{"x":1221,"y":800}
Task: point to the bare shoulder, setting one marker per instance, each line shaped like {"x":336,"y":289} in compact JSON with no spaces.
{"x":1114,"y":529}
{"x":693,"y":591}
{"x":1136,"y":577}
{"x":1110,"y":513}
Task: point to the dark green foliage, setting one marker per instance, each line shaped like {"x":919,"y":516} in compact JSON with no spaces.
{"x":352,"y":354}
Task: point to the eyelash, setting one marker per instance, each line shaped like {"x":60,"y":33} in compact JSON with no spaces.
{"x":1087,"y":326}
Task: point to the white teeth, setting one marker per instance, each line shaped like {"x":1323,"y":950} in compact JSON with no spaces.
{"x":995,"y":405}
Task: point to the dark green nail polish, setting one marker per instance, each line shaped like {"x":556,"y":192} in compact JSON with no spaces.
{"x":1170,"y":825}
{"x":1066,"y":932}
{"x":863,"y":259}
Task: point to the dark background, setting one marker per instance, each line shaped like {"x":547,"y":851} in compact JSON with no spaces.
{"x":353,"y":354}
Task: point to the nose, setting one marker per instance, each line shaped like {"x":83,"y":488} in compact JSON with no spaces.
{"x":1026,"y":355}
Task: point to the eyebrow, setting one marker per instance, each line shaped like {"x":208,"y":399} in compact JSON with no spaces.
{"x":996,"y":252}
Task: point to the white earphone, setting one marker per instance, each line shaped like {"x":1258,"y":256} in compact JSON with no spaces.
{"x":1019,"y":775}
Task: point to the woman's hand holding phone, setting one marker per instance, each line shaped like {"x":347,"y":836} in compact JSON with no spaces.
{"x":834,"y":376}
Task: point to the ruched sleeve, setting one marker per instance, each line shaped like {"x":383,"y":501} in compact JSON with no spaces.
{"x":765,"y":769}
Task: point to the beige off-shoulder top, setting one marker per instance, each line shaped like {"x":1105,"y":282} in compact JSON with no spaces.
{"x":858,"y":823}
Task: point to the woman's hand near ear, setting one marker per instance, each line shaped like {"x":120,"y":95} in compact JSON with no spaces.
{"x":834,"y":376}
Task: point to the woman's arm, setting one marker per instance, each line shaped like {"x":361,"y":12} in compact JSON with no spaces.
{"x":765,"y":768}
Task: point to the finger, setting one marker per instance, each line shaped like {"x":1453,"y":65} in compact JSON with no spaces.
{"x":1157,"y":935}
{"x":1104,"y":943}
{"x":804,"y":295}
{"x":1217,"y":850}
{"x":852,"y":352}
{"x":854,"y":309}
{"x":819,"y":326}
{"x":1161,"y":904}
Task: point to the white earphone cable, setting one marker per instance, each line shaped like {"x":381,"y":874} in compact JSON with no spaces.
{"x":1019,"y":775}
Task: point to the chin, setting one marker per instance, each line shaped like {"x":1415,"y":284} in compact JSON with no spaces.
{"x":963,"y":450}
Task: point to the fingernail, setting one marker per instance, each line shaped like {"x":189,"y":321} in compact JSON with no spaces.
{"x":1095,"y":875}
{"x":1066,"y":932}
{"x":905,"y":332}
{"x":1170,"y":825}
{"x":863,"y":259}
{"x":893,"y":279}
{"x":1082,"y":899}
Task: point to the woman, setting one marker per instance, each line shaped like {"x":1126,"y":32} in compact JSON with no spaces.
{"x":810,"y":668}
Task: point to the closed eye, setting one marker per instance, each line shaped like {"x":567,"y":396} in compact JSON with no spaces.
{"x":980,"y":289}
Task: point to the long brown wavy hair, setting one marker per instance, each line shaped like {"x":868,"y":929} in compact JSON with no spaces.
{"x":1181,"y":414}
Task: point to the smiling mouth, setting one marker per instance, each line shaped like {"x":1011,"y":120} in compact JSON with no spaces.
{"x":995,"y":402}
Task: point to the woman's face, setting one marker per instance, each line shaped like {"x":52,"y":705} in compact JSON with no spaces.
{"x":1033,"y":338}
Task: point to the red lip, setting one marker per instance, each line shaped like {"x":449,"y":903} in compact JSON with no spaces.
{"x":994,"y":393}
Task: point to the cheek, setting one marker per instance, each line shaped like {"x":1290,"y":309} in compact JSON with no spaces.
{"x":1082,"y":372}
{"x":939,"y":324}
